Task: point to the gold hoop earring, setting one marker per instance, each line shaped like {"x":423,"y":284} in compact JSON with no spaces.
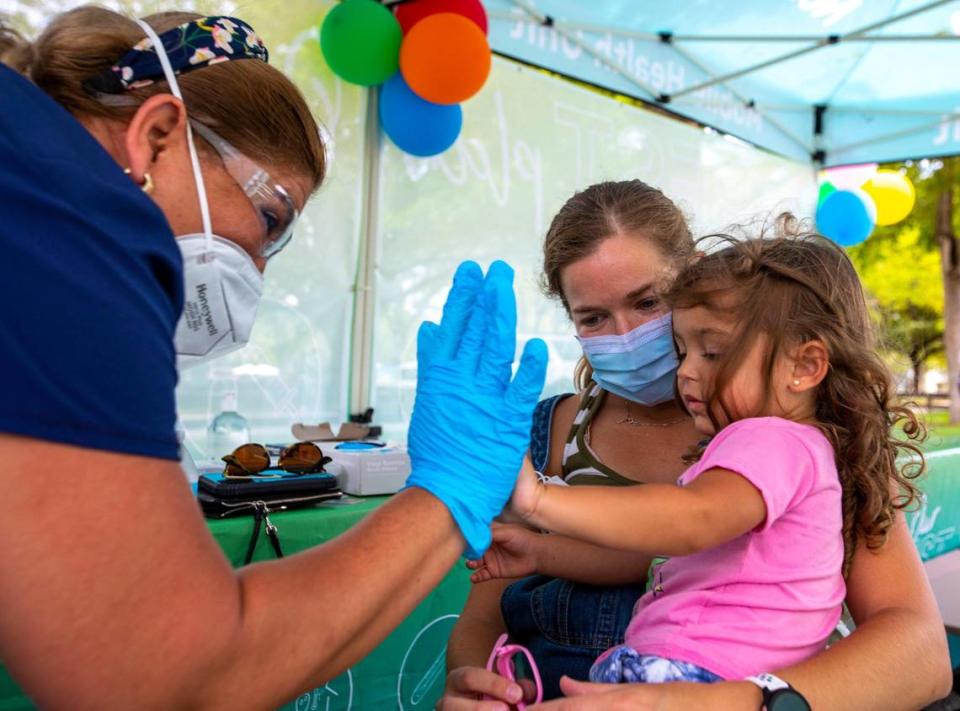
{"x":147,"y":184}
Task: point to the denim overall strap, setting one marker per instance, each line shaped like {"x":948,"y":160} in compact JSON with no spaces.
{"x":540,"y":431}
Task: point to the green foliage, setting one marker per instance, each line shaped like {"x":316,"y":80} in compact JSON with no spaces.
{"x":900,"y":269}
{"x":902,"y":277}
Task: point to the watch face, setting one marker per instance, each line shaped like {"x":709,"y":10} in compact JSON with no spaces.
{"x":787,"y":700}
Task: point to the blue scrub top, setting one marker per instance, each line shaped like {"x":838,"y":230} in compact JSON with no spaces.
{"x":91,"y":288}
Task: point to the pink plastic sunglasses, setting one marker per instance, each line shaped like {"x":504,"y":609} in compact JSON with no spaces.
{"x":501,"y":661}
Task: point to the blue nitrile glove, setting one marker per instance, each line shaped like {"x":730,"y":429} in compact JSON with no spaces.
{"x":471,"y":423}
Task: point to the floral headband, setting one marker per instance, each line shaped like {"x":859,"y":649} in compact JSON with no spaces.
{"x":190,"y":46}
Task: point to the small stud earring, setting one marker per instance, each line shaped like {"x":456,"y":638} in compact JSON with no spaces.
{"x":147,"y":184}
{"x":796,"y":382}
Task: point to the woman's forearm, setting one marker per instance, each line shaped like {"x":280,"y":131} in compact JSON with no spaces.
{"x":164,"y":621}
{"x":893,"y":661}
{"x":897,"y":658}
{"x":380,"y":550}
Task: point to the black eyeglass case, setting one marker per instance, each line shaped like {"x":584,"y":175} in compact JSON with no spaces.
{"x":221,"y":496}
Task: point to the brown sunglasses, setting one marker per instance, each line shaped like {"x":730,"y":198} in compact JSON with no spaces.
{"x":249,"y":460}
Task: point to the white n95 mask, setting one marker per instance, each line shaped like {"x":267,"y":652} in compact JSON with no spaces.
{"x":222,"y":285}
{"x":222,"y":288}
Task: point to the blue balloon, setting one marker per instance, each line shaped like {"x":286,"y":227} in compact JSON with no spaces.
{"x":845,"y":218}
{"x":417,"y":126}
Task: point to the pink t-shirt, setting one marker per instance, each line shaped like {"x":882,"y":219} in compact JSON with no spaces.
{"x":771,"y":597}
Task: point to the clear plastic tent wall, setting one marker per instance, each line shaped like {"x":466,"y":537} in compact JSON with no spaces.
{"x":834,"y":81}
{"x":376,"y":247}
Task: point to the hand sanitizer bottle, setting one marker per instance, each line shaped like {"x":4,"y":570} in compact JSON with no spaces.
{"x":228,"y":430}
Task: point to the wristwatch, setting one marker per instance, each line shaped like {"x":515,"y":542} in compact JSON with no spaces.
{"x":778,"y":695}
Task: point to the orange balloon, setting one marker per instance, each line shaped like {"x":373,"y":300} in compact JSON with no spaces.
{"x":445,"y":58}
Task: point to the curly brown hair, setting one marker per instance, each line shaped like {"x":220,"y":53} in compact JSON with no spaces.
{"x":794,"y":286}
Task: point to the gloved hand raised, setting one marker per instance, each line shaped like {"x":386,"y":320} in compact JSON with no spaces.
{"x":471,"y":422}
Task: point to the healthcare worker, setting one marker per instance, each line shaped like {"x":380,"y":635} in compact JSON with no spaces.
{"x":116,"y":136}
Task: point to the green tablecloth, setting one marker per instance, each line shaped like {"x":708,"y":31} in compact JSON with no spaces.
{"x":407,"y":671}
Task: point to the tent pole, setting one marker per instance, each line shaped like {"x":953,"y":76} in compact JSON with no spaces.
{"x":568,"y":31}
{"x":654,"y":37}
{"x":364,"y":302}
{"x":804,"y":108}
{"x":819,"y":154}
{"x":749,"y":102}
{"x":886,"y":112}
{"x":848,"y":74}
{"x":560,"y":29}
{"x":944,"y":118}
{"x":826,"y":42}
{"x":814,"y":38}
{"x":565,"y":30}
{"x":583,"y":27}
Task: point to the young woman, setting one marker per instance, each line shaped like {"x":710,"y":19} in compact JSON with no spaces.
{"x":778,"y":369}
{"x":605,"y":247}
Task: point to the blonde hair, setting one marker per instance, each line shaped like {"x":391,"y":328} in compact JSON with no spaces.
{"x":251,"y":104}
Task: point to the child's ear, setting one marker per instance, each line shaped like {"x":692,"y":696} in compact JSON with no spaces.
{"x":811,"y":363}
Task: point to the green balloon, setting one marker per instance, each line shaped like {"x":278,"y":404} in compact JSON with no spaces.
{"x":826,"y":188}
{"x":360,"y":40}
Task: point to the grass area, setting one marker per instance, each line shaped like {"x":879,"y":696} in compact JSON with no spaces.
{"x":941,"y":434}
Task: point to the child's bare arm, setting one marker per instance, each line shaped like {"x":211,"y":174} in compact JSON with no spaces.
{"x":657,"y":519}
{"x":517,"y":551}
{"x":582,"y":562}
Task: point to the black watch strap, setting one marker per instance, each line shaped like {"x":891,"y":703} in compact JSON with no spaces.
{"x":778,"y":695}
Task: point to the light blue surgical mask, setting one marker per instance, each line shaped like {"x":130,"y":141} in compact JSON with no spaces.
{"x":640,"y":365}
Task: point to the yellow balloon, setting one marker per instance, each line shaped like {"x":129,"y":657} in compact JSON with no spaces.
{"x":894,"y":195}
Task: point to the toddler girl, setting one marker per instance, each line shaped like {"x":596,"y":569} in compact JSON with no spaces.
{"x":777,"y":365}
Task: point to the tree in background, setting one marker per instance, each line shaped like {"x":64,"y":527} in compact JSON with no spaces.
{"x":899,"y":271}
{"x":912,"y":271}
{"x":943,"y":196}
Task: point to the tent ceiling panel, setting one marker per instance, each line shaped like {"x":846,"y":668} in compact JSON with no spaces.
{"x":758,"y":69}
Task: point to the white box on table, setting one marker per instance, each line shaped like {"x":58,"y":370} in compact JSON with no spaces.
{"x":369,"y":471}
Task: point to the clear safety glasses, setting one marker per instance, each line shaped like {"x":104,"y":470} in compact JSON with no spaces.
{"x":272,"y":202}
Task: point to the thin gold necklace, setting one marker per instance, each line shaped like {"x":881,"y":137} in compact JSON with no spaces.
{"x":634,"y":422}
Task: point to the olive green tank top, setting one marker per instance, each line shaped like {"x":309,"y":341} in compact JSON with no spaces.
{"x":580,"y":463}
